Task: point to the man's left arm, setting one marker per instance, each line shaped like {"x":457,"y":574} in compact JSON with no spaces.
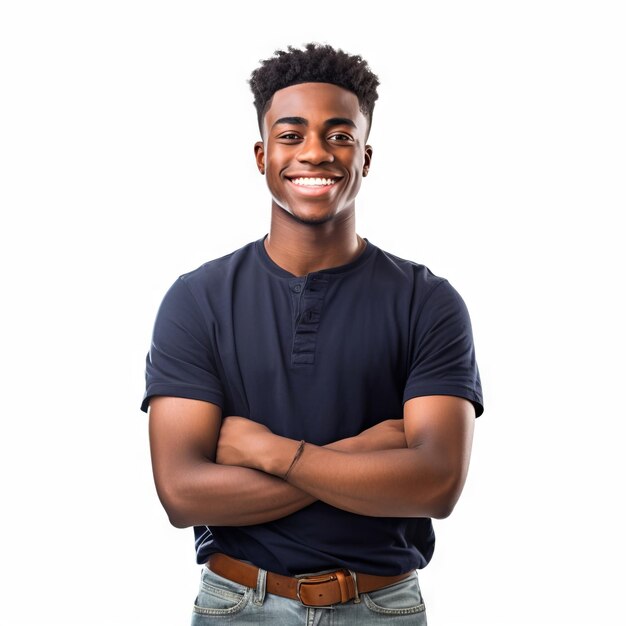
{"x":425,"y":479}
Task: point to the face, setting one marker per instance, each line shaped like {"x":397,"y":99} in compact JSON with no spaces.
{"x":314,"y":131}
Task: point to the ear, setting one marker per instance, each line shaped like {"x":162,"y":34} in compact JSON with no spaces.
{"x":259,"y":155}
{"x":367,"y":159}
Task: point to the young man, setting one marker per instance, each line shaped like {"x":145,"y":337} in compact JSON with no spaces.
{"x":312,"y":397}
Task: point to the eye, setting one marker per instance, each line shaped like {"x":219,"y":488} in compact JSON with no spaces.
{"x":289,"y":136}
{"x":341,"y":137}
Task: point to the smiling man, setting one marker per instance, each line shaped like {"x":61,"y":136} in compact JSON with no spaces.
{"x":319,"y":181}
{"x":312,"y":397}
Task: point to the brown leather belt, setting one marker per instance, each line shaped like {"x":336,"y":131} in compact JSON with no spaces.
{"x":319,"y":590}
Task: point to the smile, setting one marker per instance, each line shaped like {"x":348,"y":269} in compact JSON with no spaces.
{"x":314,"y":182}
{"x":313,"y":187}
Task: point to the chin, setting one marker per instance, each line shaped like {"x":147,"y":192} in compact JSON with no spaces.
{"x":313,"y":219}
{"x":311,"y":215}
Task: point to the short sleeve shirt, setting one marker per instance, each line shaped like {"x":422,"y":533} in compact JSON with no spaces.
{"x":318,"y":357}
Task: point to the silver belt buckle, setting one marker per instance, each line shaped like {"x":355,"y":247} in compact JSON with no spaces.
{"x":312,"y":580}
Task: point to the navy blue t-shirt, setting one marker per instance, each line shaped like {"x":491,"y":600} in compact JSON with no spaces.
{"x":318,"y":357}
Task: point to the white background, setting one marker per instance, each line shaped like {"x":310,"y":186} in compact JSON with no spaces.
{"x":126,"y":134}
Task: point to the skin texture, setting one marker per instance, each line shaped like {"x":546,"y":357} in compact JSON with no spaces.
{"x":227,"y":470}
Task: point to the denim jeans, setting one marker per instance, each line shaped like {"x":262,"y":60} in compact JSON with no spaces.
{"x":221,"y":601}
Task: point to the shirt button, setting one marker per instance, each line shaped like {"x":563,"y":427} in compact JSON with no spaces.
{"x":297,"y":288}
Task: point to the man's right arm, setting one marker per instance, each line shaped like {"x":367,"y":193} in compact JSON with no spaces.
{"x":194,"y":490}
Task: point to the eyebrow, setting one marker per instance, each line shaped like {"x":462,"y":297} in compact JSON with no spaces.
{"x":333,"y":121}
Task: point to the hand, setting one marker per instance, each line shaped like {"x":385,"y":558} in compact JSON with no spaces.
{"x":386,"y":435}
{"x":241,"y":441}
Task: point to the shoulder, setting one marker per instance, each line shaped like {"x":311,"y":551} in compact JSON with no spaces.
{"x":419,"y":278}
{"x":214,"y":272}
{"x":432,"y":297}
{"x":199,"y":290}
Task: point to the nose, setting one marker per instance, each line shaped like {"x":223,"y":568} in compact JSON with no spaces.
{"x":315,"y":150}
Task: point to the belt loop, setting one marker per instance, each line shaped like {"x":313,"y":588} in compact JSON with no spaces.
{"x":261,"y":585}
{"x":357,"y":597}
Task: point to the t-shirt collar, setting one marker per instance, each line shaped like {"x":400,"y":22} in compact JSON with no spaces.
{"x":273,"y":267}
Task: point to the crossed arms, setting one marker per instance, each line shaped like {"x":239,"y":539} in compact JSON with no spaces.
{"x":228,"y":472}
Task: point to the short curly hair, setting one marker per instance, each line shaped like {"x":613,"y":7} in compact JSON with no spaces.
{"x":316,"y":63}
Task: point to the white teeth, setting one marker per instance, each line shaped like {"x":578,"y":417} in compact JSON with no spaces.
{"x":311,"y":182}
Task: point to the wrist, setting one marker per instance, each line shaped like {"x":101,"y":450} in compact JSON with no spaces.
{"x":295,"y":459}
{"x":278,"y":454}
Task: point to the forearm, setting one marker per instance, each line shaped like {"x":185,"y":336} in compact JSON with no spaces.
{"x":389,"y":483}
{"x":221,"y":495}
{"x":380,"y":476}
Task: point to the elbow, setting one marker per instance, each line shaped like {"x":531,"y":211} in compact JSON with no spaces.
{"x":184,"y":500}
{"x":447,"y":495}
{"x":443,"y":510}
{"x":172,"y":505}
{"x":175,"y":514}
{"x":177,"y":521}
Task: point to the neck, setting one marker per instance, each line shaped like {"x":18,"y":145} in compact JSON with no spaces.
{"x":301,"y":248}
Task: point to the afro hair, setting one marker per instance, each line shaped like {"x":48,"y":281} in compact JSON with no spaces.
{"x":316,"y":63}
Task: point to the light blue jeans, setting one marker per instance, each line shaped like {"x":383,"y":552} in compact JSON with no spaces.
{"x":221,"y":601}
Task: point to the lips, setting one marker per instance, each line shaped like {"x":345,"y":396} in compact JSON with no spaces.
{"x":320,"y":187}
{"x":313,"y":175}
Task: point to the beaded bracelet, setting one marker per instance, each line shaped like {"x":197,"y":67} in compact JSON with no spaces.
{"x":297,"y":455}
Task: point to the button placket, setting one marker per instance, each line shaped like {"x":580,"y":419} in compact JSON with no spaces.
{"x":308,"y":318}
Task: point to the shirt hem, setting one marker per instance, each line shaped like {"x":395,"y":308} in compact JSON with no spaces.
{"x":192,"y":393}
{"x":463,"y":392}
